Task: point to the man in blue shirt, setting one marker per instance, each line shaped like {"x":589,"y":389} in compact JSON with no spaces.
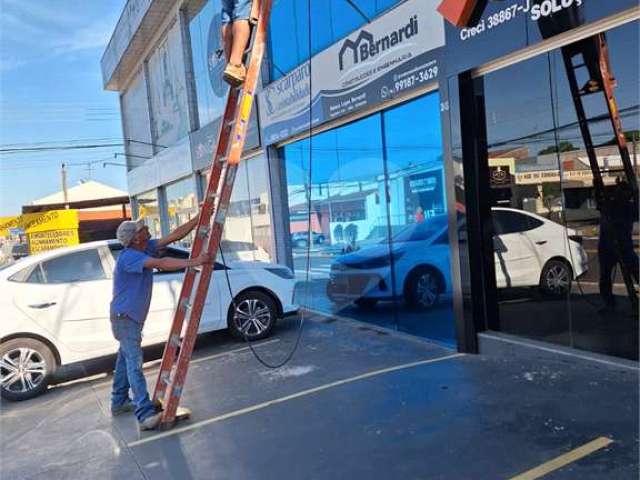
{"x":132,"y":287}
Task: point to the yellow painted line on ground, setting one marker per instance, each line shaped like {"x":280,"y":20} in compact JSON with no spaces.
{"x":286,"y":398}
{"x":564,"y":460}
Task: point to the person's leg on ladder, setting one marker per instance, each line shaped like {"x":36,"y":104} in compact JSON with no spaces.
{"x":235,"y":36}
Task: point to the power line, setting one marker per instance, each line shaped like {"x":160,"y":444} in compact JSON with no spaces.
{"x":57,"y":148}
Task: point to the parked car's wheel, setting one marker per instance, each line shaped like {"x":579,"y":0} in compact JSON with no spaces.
{"x":555,"y":279}
{"x":253,"y":316}
{"x":26,"y":367}
{"x":320,"y":239}
{"x":423,"y":287}
{"x":366,"y":303}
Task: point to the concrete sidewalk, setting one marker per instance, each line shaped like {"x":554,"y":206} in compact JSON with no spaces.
{"x":355,"y":402}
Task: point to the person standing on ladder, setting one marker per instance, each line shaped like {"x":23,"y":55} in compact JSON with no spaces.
{"x":235,"y":36}
{"x":132,"y":287}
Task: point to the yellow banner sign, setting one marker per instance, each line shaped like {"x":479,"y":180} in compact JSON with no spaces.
{"x":40,"y":222}
{"x":42,"y":241}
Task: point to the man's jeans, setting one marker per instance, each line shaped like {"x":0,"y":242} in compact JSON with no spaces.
{"x":128,"y":372}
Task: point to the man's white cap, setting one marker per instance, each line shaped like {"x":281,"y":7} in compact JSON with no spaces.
{"x":127,"y":230}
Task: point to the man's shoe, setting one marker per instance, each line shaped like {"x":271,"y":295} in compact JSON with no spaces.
{"x":126,"y":407}
{"x":151,"y":422}
{"x":234,"y":75}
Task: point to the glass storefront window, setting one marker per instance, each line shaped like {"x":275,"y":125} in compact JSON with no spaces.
{"x":182,"y":206}
{"x":248,"y":235}
{"x":204,"y":29}
{"x":329,"y":21}
{"x":555,"y":259}
{"x":260,"y":207}
{"x":148,"y":208}
{"x":367,"y":213}
{"x":136,"y":123}
{"x":169,"y":106}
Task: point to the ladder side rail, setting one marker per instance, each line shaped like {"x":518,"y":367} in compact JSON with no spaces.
{"x":248,"y":93}
{"x":621,"y":141}
{"x":171,"y":347}
{"x":614,"y":114}
{"x":174,"y":390}
{"x":598,"y":182}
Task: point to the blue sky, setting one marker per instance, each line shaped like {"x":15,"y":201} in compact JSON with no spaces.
{"x":51,"y":92}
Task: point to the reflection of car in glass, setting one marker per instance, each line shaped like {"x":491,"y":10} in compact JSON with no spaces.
{"x":243,"y":251}
{"x":420,"y":254}
{"x":529,"y":251}
{"x":55,"y":309}
{"x":301,"y":239}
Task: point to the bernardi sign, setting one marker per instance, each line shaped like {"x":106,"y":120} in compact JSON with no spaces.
{"x":396,"y":53}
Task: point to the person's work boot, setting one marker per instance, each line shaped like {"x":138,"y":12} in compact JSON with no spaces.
{"x":151,"y":422}
{"x":234,"y":75}
{"x":126,"y":407}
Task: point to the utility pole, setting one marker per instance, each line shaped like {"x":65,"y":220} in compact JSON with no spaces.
{"x":65,"y":193}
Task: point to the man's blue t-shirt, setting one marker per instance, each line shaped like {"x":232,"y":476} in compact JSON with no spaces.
{"x":133,"y":284}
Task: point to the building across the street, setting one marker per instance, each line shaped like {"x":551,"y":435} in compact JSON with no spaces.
{"x":435,"y":176}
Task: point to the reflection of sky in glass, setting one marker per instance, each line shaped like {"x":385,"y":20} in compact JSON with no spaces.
{"x":330,"y":21}
{"x":520,"y":99}
{"x":210,"y":106}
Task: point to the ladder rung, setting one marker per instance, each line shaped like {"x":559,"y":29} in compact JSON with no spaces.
{"x":580,"y":65}
{"x":220,"y":216}
{"x":164,"y":377}
{"x":204,"y":231}
{"x":174,"y":340}
{"x":185,"y":304}
{"x":212,"y":196}
{"x":176,"y":391}
{"x":222,"y":159}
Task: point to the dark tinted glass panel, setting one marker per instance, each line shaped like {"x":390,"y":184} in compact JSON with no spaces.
{"x":74,"y":267}
{"x":506,"y":222}
{"x":563,"y":282}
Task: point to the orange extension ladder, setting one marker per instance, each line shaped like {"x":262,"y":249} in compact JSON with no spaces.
{"x":598,"y":63}
{"x":231,"y":139}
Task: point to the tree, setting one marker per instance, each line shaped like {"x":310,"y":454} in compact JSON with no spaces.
{"x":560,"y":148}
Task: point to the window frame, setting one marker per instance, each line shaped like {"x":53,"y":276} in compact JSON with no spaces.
{"x":101,"y":261}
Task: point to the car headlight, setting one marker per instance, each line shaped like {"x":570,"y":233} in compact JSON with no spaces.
{"x":281,"y":272}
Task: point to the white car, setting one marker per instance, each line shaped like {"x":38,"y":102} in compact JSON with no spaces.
{"x":529,"y":251}
{"x":55,"y":309}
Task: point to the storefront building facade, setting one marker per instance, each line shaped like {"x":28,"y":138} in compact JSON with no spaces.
{"x":402,"y":166}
